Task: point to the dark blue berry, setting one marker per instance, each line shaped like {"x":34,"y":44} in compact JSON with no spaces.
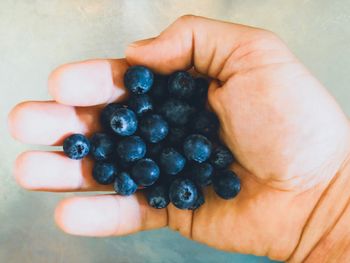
{"x":197,"y":148}
{"x":177,"y":135}
{"x":176,"y":112}
{"x":145,"y":172}
{"x":183,"y":193}
{"x":104,"y":173}
{"x":201,"y":93}
{"x":153,"y":128}
{"x":141,"y":104}
{"x":102,"y":146}
{"x":199,"y":201}
{"x":171,"y":161}
{"x":160,"y":88}
{"x":166,"y":179}
{"x":124,"y":185}
{"x":123,"y":122}
{"x":181,"y":85}
{"x":106,"y":114}
{"x":221,"y":157}
{"x":205,"y":123}
{"x":202,"y":173}
{"x":226,"y":184}
{"x":76,"y":146}
{"x":154,"y":149}
{"x":158,"y":196}
{"x":124,"y":165}
{"x":131,"y":149}
{"x":138,"y":79}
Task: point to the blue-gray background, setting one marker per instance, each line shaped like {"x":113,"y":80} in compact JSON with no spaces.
{"x":38,"y":35}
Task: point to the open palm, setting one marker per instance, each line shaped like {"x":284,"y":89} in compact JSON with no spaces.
{"x":288,"y":135}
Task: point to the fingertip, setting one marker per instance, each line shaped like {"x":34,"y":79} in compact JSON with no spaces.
{"x":20,"y":163}
{"x":107,"y":215}
{"x":163,"y":54}
{"x":63,"y":214}
{"x":87,"y":83}
{"x":40,"y":122}
{"x":132,"y":50}
{"x":11,"y":118}
{"x":17,"y":120}
{"x":52,"y":82}
{"x":54,"y":172}
{"x":58,"y":214}
{"x":68,"y":83}
{"x":88,"y":216}
{"x":139,"y":43}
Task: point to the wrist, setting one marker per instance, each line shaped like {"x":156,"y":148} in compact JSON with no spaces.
{"x":326,"y":235}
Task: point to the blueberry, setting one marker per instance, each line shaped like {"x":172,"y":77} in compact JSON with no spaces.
{"x":140,"y":104}
{"x":131,"y":149}
{"x":76,"y":146}
{"x":167,"y":179}
{"x":124,"y":185}
{"x":199,"y":201}
{"x":202,"y":173}
{"x":201,"y":93}
{"x":176,"y":135}
{"x":176,"y":112}
{"x":226,"y":184}
{"x":153,"y":128}
{"x":183,"y":193}
{"x":158,"y":196}
{"x":138,"y":79}
{"x":124,"y":165}
{"x":104,"y":173}
{"x":171,"y":161}
{"x":154,"y":149}
{"x":221,"y":157}
{"x":106,"y":114}
{"x":145,"y":172}
{"x":159,"y":88}
{"x":102,"y":146}
{"x":206,"y":123}
{"x":197,"y":148}
{"x":123,"y":122}
{"x":181,"y":85}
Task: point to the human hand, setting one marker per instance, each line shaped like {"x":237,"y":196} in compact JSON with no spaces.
{"x":289,"y":137}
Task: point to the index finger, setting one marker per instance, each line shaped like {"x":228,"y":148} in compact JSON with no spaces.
{"x":88,"y":83}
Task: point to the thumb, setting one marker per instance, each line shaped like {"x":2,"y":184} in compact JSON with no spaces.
{"x":140,"y":43}
{"x":190,"y":41}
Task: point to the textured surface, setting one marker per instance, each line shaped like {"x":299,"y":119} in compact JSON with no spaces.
{"x":38,"y":35}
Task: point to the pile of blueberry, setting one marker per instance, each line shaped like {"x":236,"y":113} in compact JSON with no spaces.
{"x":163,"y":141}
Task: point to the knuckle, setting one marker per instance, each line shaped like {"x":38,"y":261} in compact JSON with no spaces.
{"x":260,"y":40}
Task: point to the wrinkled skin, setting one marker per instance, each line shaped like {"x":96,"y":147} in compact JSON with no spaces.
{"x":288,"y":135}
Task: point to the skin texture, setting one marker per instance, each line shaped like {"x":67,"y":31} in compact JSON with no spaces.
{"x":290,"y":138}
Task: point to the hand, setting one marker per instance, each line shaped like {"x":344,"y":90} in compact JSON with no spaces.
{"x":289,"y":137}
